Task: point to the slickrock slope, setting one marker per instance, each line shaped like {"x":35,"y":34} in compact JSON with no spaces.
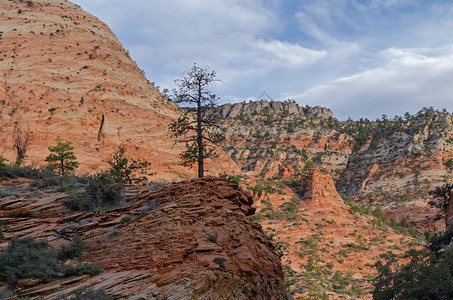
{"x":189,"y":240}
{"x":64,"y":73}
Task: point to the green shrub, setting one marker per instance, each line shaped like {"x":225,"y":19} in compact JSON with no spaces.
{"x":427,"y":275}
{"x":125,"y":170}
{"x":3,"y":194}
{"x":29,"y":258}
{"x":125,"y":219}
{"x":3,"y":161}
{"x":101,"y":192}
{"x":212,"y":238}
{"x":235,"y":179}
{"x":89,"y":294}
{"x":46,"y":176}
{"x":75,"y":249}
{"x":3,"y":228}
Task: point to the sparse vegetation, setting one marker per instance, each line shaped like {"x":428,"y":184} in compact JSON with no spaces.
{"x":427,"y":275}
{"x":235,"y":179}
{"x":29,"y":258}
{"x":89,"y":294}
{"x":100,"y":192}
{"x":126,"y":170}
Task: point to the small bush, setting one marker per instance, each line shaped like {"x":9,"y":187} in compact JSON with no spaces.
{"x":3,"y":228}
{"x":235,"y":179}
{"x":3,"y":161}
{"x":91,"y":270}
{"x":125,"y":219}
{"x":449,"y":163}
{"x":213,"y":238}
{"x":125,"y":170}
{"x":29,"y":258}
{"x":3,"y":194}
{"x":75,"y":249}
{"x":101,"y":192}
{"x":89,"y":294}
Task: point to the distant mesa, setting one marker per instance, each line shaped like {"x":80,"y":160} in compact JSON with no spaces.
{"x":273,"y":107}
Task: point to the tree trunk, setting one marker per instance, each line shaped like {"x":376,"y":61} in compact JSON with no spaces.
{"x":62,"y":168}
{"x":200,"y":140}
{"x":449,"y":213}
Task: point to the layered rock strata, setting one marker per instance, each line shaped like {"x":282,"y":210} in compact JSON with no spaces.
{"x":190,"y":240}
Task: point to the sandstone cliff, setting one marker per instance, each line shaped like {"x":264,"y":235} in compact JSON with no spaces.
{"x":64,"y":73}
{"x":392,"y":163}
{"x":190,"y":240}
{"x":274,"y":107}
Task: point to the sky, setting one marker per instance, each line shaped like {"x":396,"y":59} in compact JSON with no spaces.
{"x":359,"y":58}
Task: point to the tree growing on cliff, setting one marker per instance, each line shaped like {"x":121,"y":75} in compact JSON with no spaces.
{"x":201,"y":134}
{"x":62,"y":157}
{"x":441,"y":196}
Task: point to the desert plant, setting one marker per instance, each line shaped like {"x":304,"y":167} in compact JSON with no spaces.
{"x":62,"y":157}
{"x":441,"y":196}
{"x":426,"y":276}
{"x":29,"y":258}
{"x":101,"y":192}
{"x":125,"y":170}
{"x":89,"y":294}
{"x":3,"y":161}
{"x":3,"y":194}
{"x":235,"y":179}
{"x":3,"y":228}
{"x":75,"y":249}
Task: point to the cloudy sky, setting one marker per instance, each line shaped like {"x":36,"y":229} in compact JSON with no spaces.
{"x":360,"y":58}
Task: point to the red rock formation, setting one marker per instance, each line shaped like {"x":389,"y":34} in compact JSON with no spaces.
{"x":188,"y":240}
{"x":321,"y":191}
{"x":64,"y":73}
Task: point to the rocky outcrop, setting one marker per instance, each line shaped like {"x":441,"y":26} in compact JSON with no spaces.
{"x":64,"y":73}
{"x":189,"y":240}
{"x":272,"y":107}
{"x":321,"y":192}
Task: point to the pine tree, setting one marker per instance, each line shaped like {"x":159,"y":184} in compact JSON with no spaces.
{"x":200,"y":135}
{"x":62,"y":157}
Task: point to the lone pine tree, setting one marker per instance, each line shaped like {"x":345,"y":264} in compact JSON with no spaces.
{"x":199,"y":133}
{"x":62,"y":157}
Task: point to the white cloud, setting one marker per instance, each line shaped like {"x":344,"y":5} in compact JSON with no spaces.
{"x":360,"y":58}
{"x":408,"y":80}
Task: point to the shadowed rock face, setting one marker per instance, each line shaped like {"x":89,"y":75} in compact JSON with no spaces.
{"x":189,"y":240}
{"x":64,"y":73}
